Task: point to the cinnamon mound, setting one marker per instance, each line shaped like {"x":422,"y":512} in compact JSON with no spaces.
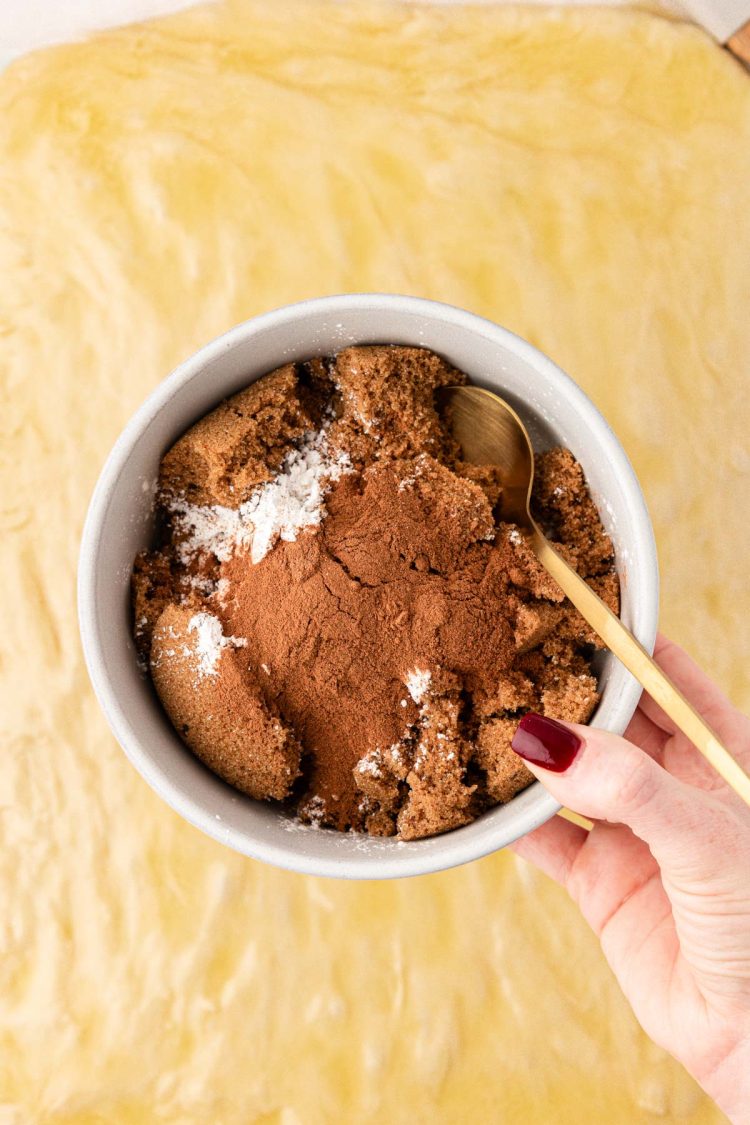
{"x":371,"y":667}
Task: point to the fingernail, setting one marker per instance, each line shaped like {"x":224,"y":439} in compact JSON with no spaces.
{"x":545,"y":742}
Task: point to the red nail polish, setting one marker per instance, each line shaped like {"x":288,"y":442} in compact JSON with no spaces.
{"x":545,"y":742}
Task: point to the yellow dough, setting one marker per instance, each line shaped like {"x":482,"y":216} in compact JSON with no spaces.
{"x":580,"y":177}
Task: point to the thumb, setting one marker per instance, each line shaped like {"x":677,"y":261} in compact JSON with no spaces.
{"x":605,"y":777}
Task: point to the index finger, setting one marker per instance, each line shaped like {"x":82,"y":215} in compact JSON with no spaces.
{"x":731,"y":726}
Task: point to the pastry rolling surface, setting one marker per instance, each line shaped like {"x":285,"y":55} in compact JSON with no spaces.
{"x":556,"y":171}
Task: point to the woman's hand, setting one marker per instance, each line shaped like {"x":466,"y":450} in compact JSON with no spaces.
{"x":663,"y":877}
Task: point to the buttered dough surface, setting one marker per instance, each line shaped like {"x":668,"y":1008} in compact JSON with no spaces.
{"x":578,"y":176}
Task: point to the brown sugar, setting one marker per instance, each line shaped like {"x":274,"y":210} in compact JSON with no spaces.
{"x":240,"y":444}
{"x":333,"y":615}
{"x":220,"y":712}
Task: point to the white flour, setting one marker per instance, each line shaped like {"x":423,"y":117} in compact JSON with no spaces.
{"x":277,"y":510}
{"x":417,"y":684}
{"x":210,"y":642}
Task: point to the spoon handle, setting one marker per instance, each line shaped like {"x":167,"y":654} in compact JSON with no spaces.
{"x":620,"y":641}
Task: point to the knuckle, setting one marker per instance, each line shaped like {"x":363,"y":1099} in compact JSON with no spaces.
{"x":582,"y":879}
{"x":634,"y":783}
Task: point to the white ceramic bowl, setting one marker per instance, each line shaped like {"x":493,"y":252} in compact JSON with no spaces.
{"x":119,"y":524}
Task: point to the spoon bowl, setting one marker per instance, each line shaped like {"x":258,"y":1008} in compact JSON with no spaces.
{"x":491,"y":433}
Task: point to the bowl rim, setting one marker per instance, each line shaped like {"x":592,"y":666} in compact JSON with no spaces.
{"x":409,"y":859}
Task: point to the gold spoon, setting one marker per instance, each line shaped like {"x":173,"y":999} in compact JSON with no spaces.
{"x":490,"y":433}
